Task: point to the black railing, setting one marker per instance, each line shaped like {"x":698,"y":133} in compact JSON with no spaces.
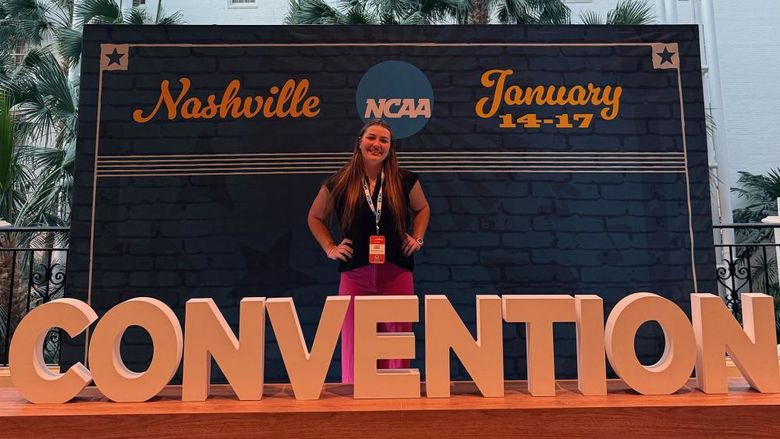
{"x":748,"y":265}
{"x":32,"y":272}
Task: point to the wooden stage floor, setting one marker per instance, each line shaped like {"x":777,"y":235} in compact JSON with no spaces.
{"x":689,"y":413}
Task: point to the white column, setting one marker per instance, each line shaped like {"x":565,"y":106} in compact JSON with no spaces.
{"x":660,"y":11}
{"x":716,"y":111}
{"x":151,"y":8}
{"x":696,"y":19}
{"x":671,"y":11}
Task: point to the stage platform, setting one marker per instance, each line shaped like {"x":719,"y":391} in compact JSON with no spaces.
{"x":688,"y":413}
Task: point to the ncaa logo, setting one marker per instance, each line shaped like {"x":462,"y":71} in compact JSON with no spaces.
{"x":397,"y":92}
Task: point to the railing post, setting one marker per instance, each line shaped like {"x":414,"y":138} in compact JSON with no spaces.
{"x":11,"y":281}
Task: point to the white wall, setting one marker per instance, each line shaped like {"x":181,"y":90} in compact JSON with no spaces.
{"x":749,"y":51}
{"x":221,"y":12}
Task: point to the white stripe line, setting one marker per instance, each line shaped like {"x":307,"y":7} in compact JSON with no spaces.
{"x":404,"y":163}
{"x":400,"y":154}
{"x":455,"y":166}
{"x":406,"y":159}
{"x":428,"y":171}
{"x":417,"y":169}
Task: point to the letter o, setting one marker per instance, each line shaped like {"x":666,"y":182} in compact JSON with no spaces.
{"x":112,"y":377}
{"x":674,"y":368}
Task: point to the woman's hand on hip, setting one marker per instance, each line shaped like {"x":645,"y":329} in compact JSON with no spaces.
{"x":343,"y":251}
{"x":410,"y":245}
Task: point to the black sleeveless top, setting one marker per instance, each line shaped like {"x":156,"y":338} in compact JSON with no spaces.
{"x":364,"y":225}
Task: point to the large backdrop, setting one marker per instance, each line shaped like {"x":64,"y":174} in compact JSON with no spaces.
{"x":555,"y":160}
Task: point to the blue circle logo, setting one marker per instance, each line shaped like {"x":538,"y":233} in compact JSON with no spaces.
{"x":398,"y":93}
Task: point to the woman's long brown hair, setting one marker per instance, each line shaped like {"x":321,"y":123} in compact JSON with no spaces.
{"x":348,"y":183}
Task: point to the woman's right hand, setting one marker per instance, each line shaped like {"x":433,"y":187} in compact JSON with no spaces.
{"x":343,"y":251}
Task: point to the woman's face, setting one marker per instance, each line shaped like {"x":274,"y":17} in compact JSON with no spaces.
{"x":375,"y":144}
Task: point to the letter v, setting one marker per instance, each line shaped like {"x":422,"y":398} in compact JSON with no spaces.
{"x":307,"y":369}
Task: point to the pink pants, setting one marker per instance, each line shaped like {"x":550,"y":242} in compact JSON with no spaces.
{"x":373,"y":279}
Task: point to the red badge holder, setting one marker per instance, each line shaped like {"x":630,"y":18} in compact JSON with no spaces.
{"x":376,"y":249}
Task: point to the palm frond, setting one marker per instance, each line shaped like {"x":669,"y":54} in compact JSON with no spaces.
{"x":32,"y":20}
{"x":631,"y":12}
{"x":98,"y":11}
{"x":592,"y":18}
{"x":175,"y":18}
{"x":313,"y":12}
{"x":511,"y":11}
{"x":49,"y":105}
{"x":530,"y":11}
{"x":415,"y":17}
{"x":763,"y":269}
{"x":383,"y":7}
{"x":136,"y":16}
{"x":761,"y":193}
{"x":761,"y":188}
{"x":552,"y":12}
{"x":47,"y":193}
{"x":438,"y":10}
{"x":357,"y":15}
{"x":69,"y":44}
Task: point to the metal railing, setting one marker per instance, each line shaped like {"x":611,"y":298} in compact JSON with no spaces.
{"x":749,"y":265}
{"x":32,"y":272}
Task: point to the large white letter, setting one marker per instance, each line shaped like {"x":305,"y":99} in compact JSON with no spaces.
{"x":753,"y":350}
{"x":483,"y":358}
{"x":674,"y":368}
{"x":539,"y":312}
{"x":307,"y":370}
{"x":208,"y":334}
{"x":34,"y":381}
{"x":112,"y":377}
{"x":591,"y":363}
{"x":371,"y":346}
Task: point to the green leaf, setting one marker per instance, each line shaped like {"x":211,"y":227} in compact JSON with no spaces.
{"x":137,"y":16}
{"x":631,"y":12}
{"x":592,"y":18}
{"x":98,"y":11}
{"x":69,"y":44}
{"x":175,"y":18}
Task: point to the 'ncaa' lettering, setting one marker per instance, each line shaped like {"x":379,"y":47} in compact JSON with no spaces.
{"x":396,"y":108}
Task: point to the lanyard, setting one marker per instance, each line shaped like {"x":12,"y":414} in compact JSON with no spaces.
{"x":378,"y":210}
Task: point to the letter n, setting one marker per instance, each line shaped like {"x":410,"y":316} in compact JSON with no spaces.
{"x":374,"y":109}
{"x":207,"y":334}
{"x":754,"y":350}
{"x":483,"y":358}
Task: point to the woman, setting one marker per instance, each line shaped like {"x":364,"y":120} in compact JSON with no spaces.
{"x":371,"y":197}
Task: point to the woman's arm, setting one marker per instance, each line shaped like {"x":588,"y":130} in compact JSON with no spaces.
{"x":422,"y":214}
{"x":320,"y":210}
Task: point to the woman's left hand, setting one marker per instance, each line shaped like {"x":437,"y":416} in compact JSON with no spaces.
{"x":410,"y":245}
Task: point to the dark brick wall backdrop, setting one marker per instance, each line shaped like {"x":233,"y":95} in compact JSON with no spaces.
{"x":607,"y":232}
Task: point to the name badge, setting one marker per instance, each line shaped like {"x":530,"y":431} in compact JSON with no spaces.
{"x":376,"y":249}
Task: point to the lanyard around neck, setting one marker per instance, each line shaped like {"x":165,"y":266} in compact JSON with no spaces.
{"x":377,"y":211}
